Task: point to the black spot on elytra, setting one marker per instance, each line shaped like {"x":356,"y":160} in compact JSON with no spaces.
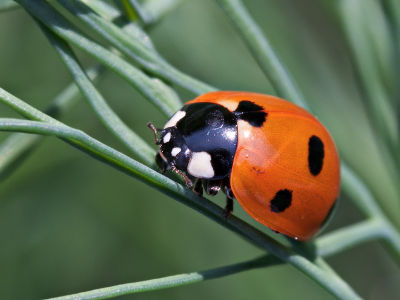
{"x":315,"y":155}
{"x":281,"y":201}
{"x":252,"y":113}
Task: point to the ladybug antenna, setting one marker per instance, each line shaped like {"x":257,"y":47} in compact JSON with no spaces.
{"x":155,"y":130}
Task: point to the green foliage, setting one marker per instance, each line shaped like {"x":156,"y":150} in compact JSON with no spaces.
{"x":131,"y":55}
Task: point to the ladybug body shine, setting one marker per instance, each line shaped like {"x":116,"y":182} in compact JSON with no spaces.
{"x":274,"y":157}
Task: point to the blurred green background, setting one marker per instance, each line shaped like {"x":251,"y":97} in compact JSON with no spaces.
{"x":69,"y":223}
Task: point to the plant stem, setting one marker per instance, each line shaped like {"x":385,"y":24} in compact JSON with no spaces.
{"x":15,"y":148}
{"x":134,"y":48}
{"x":172,"y":281}
{"x":350,"y":236}
{"x":108,"y":117}
{"x":263,"y":52}
{"x":6,"y":5}
{"x":60,"y":26}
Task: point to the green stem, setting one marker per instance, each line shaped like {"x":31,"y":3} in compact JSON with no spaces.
{"x":392,"y":239}
{"x":359,"y":193}
{"x":134,"y":11}
{"x":372,"y":51}
{"x":6,"y":5}
{"x":15,"y":148}
{"x":263,"y":52}
{"x":108,"y":117}
{"x":172,"y":281}
{"x":327,"y":245}
{"x":350,"y":236}
{"x":134,"y":48}
{"x":158,"y":8}
{"x":369,"y":58}
{"x":41,"y":10}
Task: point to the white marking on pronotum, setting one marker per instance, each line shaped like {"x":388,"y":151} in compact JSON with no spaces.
{"x":175,"y":151}
{"x":167,"y":137}
{"x":200,"y":165}
{"x":175,"y":119}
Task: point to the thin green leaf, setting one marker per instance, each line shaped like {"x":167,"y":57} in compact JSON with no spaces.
{"x":155,"y":9}
{"x":369,"y":57}
{"x":13,"y":151}
{"x":365,"y":201}
{"x":172,"y":281}
{"x":394,"y":8}
{"x":7,"y":5}
{"x":60,"y":26}
{"x":134,"y":48}
{"x":108,"y":117}
{"x":327,"y":245}
{"x":133,"y":10}
{"x":15,"y":148}
{"x":350,"y":236}
{"x":104,"y":9}
{"x":158,"y":8}
{"x":353,"y":186}
{"x":263,"y":52}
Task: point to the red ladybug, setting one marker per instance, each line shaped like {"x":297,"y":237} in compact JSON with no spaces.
{"x":274,"y":157}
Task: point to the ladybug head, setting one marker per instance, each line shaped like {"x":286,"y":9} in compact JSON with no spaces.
{"x":173,"y":152}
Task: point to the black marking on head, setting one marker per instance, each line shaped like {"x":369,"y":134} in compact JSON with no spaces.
{"x":315,"y":155}
{"x":181,"y":160}
{"x":250,"y":112}
{"x":281,"y":201}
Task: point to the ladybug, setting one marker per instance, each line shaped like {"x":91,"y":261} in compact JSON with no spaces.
{"x":274,"y":157}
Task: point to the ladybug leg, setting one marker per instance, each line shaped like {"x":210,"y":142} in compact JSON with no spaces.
{"x":189,"y":182}
{"x":198,"y":187}
{"x":212,"y":187}
{"x":228,"y":207}
{"x":229,"y":198}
